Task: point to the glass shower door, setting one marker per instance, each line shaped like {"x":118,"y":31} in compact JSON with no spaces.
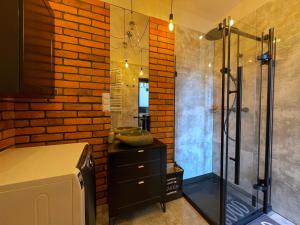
{"x":241,"y":125}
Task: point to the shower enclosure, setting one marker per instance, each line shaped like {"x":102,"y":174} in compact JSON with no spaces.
{"x":238,"y":189}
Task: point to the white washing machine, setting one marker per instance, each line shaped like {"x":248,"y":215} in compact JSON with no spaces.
{"x":47,"y":185}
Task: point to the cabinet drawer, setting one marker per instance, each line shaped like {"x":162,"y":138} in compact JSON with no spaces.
{"x":136,"y":191}
{"x":134,"y":171}
{"x":134,"y":156}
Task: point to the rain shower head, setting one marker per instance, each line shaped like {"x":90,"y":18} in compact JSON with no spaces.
{"x":217,"y":33}
{"x":214,"y":34}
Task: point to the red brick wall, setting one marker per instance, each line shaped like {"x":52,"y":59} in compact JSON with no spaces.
{"x":82,"y":30}
{"x":162,"y":80}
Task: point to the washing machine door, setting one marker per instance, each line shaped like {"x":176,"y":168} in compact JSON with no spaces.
{"x":87,"y":169}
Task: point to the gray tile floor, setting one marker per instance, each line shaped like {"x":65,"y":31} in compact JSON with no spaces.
{"x":179,"y":212}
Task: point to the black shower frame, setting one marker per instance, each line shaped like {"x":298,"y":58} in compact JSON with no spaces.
{"x":268,"y":59}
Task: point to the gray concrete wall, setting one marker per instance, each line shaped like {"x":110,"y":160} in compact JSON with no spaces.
{"x":284,"y":16}
{"x":194,"y":98}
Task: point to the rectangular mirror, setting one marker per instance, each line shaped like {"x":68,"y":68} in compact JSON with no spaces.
{"x":129,"y":59}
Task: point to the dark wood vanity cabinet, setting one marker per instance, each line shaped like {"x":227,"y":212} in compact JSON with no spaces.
{"x":137,"y":177}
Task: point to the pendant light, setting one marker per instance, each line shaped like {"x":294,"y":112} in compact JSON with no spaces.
{"x":125,"y":43}
{"x":126,"y":64}
{"x":171,"y":18}
{"x":141,"y":72}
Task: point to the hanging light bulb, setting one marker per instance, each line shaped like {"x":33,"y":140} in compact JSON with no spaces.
{"x":231,"y":22}
{"x":141,"y":72}
{"x":171,"y":18}
{"x":126,"y":64}
{"x":171,"y":24}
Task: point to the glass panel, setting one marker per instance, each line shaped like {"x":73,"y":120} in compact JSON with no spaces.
{"x":194,"y":147}
{"x":242,"y":198}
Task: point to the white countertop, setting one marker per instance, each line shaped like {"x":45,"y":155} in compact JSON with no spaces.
{"x":19,"y":165}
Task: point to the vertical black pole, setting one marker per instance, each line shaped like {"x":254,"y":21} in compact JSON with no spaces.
{"x":269,"y":122}
{"x":227,"y":115}
{"x":238,"y":125}
{"x":222,"y":196}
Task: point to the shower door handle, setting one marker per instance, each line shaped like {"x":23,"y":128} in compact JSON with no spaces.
{"x":237,"y":159}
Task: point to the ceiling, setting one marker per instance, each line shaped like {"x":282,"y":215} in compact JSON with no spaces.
{"x":201,"y":15}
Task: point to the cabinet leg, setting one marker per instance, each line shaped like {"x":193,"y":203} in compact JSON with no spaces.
{"x":163,"y":206}
{"x":111,"y":220}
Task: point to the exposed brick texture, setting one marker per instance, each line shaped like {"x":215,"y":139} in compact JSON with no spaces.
{"x":162,"y":81}
{"x":81,"y":76}
{"x":7,"y":131}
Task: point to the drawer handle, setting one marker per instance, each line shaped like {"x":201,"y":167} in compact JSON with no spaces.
{"x":141,"y":151}
{"x":141,"y":166}
{"x":141,"y":182}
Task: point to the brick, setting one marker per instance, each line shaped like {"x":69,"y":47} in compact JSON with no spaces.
{"x":101,"y":120}
{"x":102,"y":66}
{"x":67,"y":84}
{"x":7,"y":143}
{"x":46,"y":137}
{"x":77,"y":19}
{"x":90,"y":99}
{"x":101,"y":52}
{"x":66,"y":24}
{"x":77,"y":92}
{"x":78,"y":135}
{"x":78,"y":63}
{"x":76,"y":77}
{"x":73,"y":121}
{"x":21,"y":123}
{"x":46,"y":122}
{"x":7,"y":115}
{"x":100,"y":10}
{"x":76,"y":48}
{"x":78,"y":4}
{"x":46,"y":106}
{"x":8,"y":133}
{"x":78,"y":106}
{"x":93,"y":44}
{"x":6,"y":106}
{"x":63,"y":8}
{"x":91,"y":15}
{"x":30,"y":130}
{"x":21,"y":106}
{"x":61,"y":129}
{"x":102,"y":25}
{"x":29,"y":114}
{"x":64,"y":99}
{"x":77,"y":34}
{"x":66,"y":39}
{"x":91,"y":85}
{"x":61,"y":114}
{"x":91,"y":30}
{"x":22,"y":139}
{"x":90,"y":127}
{"x":65,"y":69}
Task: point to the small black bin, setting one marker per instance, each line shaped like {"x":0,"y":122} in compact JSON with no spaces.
{"x":174,"y":182}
